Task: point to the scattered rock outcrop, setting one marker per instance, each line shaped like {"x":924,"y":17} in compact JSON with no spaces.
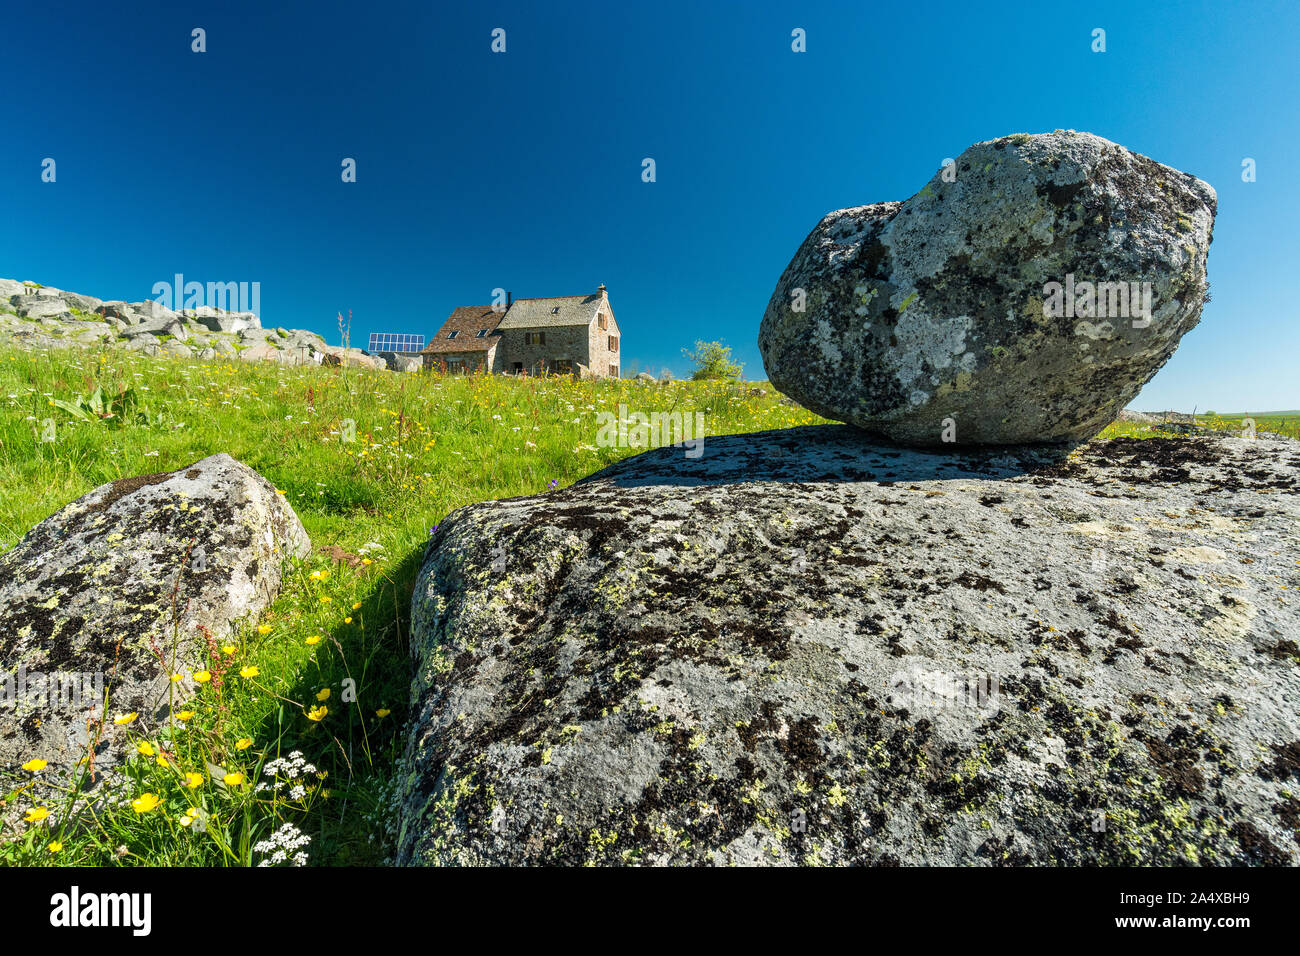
{"x":804,"y":647}
{"x":121,"y":589}
{"x":41,"y":317}
{"x":1025,"y":294}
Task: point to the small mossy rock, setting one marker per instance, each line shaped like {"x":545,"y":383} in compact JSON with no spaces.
{"x":126,"y":583}
{"x":803,"y":647}
{"x":927,"y":321}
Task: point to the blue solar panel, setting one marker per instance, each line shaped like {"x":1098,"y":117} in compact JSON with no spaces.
{"x":395,"y":342}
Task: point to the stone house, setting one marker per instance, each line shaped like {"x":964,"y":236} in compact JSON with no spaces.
{"x":467,"y":342}
{"x":565,"y":334}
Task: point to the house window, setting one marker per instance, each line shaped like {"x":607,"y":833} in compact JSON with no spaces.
{"x":602,"y":321}
{"x":613,"y":343}
{"x":563,"y":367}
{"x":555,"y":311}
{"x":480,"y":333}
{"x":613,"y":371}
{"x":516,"y":366}
{"x":452,"y":335}
{"x":534,"y":338}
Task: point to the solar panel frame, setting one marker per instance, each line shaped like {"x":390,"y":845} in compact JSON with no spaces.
{"x":396,"y":342}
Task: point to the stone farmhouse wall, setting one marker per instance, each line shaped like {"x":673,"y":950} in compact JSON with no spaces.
{"x":601,"y":356}
{"x":565,"y":342}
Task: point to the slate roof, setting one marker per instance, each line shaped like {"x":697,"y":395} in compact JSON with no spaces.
{"x":548,"y":313}
{"x":468,"y":321}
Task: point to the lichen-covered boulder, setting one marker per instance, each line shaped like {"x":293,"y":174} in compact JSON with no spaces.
{"x":124,"y":587}
{"x":1025,"y":294}
{"x":805,"y":648}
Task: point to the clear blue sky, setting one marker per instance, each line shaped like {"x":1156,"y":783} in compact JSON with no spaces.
{"x":523,"y":170}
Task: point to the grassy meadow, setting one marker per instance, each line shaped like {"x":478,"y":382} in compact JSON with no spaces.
{"x":269,"y":762}
{"x":422,"y":446}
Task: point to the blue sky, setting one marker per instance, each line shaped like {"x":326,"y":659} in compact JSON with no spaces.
{"x":522,"y":170}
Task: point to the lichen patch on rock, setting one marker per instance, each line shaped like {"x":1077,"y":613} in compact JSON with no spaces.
{"x":751,"y":658}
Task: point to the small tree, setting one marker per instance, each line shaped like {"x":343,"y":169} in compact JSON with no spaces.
{"x":713,"y":360}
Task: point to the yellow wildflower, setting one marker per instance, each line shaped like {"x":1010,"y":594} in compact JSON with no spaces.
{"x":145,"y":802}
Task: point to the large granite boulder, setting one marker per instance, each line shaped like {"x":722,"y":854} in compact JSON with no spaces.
{"x":400,"y":362}
{"x":39,"y":306}
{"x":803,"y":647}
{"x":220,"y":321}
{"x":119,"y":590}
{"x":167,"y":324}
{"x":351,"y":357}
{"x":84,"y":303}
{"x":1026,"y":300}
{"x":117,"y":309}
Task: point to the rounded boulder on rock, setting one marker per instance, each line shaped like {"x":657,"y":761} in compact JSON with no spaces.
{"x":1024,"y":295}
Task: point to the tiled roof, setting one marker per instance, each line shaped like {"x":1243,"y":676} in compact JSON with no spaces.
{"x":546,"y":313}
{"x":467,"y":321}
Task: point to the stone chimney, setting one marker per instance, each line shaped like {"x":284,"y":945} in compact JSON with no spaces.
{"x":602,"y":291}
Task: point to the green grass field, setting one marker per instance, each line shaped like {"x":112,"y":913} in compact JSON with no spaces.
{"x":1278,"y":423}
{"x":423,"y":446}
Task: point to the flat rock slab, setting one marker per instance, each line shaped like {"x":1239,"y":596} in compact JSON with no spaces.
{"x":120,"y":589}
{"x":803,"y":647}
